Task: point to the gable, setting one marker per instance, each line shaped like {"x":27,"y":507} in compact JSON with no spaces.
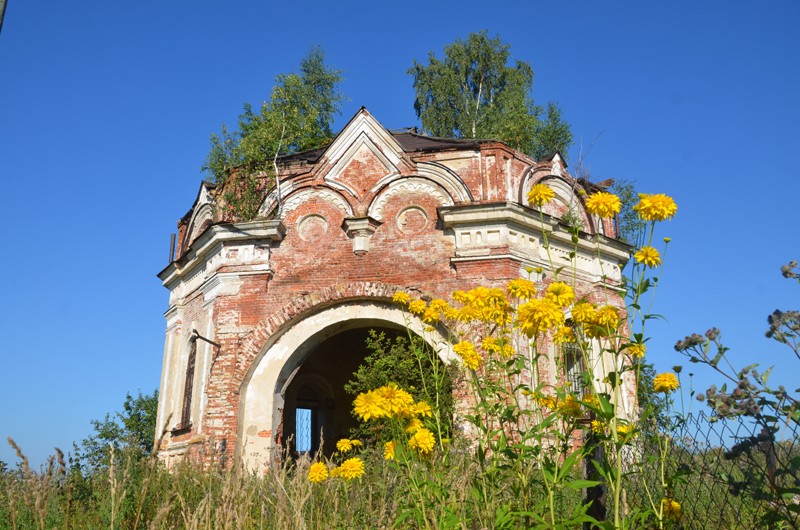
{"x":362,"y":155}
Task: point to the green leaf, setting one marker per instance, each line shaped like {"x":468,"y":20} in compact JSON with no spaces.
{"x":582,"y":484}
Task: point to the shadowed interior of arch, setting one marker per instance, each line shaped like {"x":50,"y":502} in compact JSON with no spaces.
{"x":317,"y":410}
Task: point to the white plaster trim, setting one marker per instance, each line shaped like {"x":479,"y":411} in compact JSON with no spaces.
{"x":211,"y":242}
{"x":362,"y":140}
{"x":479,"y":228}
{"x":447,"y":179}
{"x":404,"y":186}
{"x":364,"y":124}
{"x":299,"y":197}
{"x":271,"y":201}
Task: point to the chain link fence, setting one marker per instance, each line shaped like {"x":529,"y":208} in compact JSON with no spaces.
{"x":738,"y":472}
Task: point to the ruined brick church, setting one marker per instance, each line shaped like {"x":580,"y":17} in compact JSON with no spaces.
{"x":268,"y":319}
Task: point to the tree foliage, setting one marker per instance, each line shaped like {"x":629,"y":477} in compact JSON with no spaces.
{"x":131,"y":432}
{"x":630,"y":224}
{"x":407,"y":361}
{"x":297,"y":117}
{"x":474,"y":93}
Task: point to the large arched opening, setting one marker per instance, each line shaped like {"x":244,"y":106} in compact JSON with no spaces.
{"x":295,"y":388}
{"x":317,"y":409}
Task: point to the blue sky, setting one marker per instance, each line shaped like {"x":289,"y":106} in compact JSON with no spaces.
{"x":106,"y":109}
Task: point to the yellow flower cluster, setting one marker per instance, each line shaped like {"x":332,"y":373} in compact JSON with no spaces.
{"x":384,"y":402}
{"x":498,"y":346}
{"x":350,"y":469}
{"x":564,"y":335}
{"x":656,"y":207}
{"x":603,"y":204}
{"x":538,"y":316}
{"x":417,"y":307}
{"x":484,"y":304}
{"x":345,"y":445}
{"x":604,"y":323}
{"x":570,"y":407}
{"x":469,"y":356}
{"x":522,"y":288}
{"x":666,"y":382}
{"x":540,"y":194}
{"x":624,"y":429}
{"x":648,"y":256}
{"x":670,"y":508}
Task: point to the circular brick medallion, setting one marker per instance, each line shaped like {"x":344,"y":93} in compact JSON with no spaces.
{"x":412,"y":220}
{"x":312,"y":227}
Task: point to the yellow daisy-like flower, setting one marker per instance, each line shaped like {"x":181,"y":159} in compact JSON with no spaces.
{"x":606,"y":322}
{"x":603,"y":204}
{"x":591,"y":400}
{"x":396,"y":400}
{"x":623,"y":429}
{"x":318,"y":472}
{"x":369,"y":405}
{"x":421,"y":408}
{"x":470,"y":357}
{"x":351,"y":468}
{"x":417,"y":307}
{"x":561,"y":293}
{"x":451,"y":313}
{"x":657,"y":207}
{"x":666,"y":382}
{"x":583,"y":313}
{"x":522,"y":288}
{"x":598,"y":427}
{"x":468,"y":314}
{"x":539,"y":315}
{"x":637,"y":349}
{"x":570,"y":407}
{"x":564,"y":335}
{"x":540,"y":194}
{"x":430,"y":316}
{"x":491,"y":345}
{"x":439,"y":305}
{"x":607,"y":315}
{"x":547,"y":402}
{"x":500,"y":347}
{"x":460,"y":297}
{"x":648,"y":256}
{"x":389,"y":449}
{"x":401,"y":298}
{"x":344,"y":445}
{"x":422,"y":441}
{"x":413,"y":425}
{"x":670,"y":508}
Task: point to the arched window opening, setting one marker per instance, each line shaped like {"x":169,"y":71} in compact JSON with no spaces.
{"x":188,"y":387}
{"x":574,"y":368}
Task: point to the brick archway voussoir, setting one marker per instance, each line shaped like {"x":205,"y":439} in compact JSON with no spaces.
{"x":253,"y":344}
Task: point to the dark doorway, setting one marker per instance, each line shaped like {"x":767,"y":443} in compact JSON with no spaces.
{"x":317,"y":411}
